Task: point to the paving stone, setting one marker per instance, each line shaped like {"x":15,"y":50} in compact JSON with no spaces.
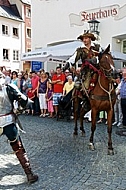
{"x":62,"y":161}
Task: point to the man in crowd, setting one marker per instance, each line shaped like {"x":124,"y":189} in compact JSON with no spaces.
{"x":122,"y":91}
{"x":58,"y":83}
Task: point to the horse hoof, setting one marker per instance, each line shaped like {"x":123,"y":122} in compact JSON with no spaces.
{"x":75,"y":134}
{"x":110,"y":152}
{"x":83,"y":134}
{"x":91,"y":146}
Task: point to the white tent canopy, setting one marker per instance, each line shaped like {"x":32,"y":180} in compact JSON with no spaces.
{"x":118,"y":56}
{"x":63,"y":52}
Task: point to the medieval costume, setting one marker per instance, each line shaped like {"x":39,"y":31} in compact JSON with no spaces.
{"x":8,"y":125}
{"x":89,"y":53}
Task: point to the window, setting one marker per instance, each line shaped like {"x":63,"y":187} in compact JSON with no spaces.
{"x":15,"y":55}
{"x":15,"y":32}
{"x":28,"y":33}
{"x":124,"y":46}
{"x":28,"y":12}
{"x":5,"y":54}
{"x":4,"y":29}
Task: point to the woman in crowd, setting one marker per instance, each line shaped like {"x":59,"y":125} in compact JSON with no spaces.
{"x":68,"y":86}
{"x":42,"y":90}
{"x":25,"y":84}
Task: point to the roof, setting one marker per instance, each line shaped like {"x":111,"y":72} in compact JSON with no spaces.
{"x":28,"y":2}
{"x":8,"y":12}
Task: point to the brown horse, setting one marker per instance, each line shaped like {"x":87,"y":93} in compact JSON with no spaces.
{"x":101,"y":98}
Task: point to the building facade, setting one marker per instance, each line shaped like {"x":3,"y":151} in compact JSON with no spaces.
{"x":55,"y":21}
{"x":15,"y":33}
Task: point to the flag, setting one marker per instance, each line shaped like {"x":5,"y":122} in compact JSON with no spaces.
{"x":121,"y":13}
{"x":75,"y":20}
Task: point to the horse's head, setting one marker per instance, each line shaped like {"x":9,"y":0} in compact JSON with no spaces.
{"x":106,"y":62}
{"x":14,"y":94}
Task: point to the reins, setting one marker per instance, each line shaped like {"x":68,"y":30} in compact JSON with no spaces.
{"x":108,"y":92}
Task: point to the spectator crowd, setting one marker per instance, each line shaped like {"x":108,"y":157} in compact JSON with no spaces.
{"x":45,"y":89}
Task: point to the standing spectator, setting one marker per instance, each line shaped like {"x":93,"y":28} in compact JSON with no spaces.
{"x":31,"y":96}
{"x":77,"y":74}
{"x":47,"y":76}
{"x":117,"y":107}
{"x":58,"y":83}
{"x":20,"y":81}
{"x":14,"y":79}
{"x":42,"y":92}
{"x":67,"y":73}
{"x":7,"y":77}
{"x":39,"y":74}
{"x":30,"y":75}
{"x":50,"y":100}
{"x":52,"y":72}
{"x":26,"y":82}
{"x":34,"y":82}
{"x":2,"y":79}
{"x":122,"y":91}
{"x":101,"y":117}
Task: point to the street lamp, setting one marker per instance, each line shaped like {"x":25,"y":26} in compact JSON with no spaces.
{"x":94,"y":25}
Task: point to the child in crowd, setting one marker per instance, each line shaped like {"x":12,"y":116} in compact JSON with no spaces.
{"x":31,"y":96}
{"x":49,"y":100}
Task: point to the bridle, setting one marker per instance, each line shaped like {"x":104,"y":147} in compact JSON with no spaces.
{"x":107,"y":72}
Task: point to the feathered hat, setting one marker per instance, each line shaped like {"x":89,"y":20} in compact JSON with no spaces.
{"x":87,"y":34}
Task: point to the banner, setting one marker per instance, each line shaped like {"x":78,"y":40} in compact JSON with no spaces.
{"x":114,"y":11}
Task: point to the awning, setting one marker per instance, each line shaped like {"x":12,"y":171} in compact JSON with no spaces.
{"x":118,"y":56}
{"x":62,"y":52}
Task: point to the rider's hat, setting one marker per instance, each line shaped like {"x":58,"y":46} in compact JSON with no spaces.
{"x":87,"y":34}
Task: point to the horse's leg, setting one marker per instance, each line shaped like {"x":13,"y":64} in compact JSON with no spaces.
{"x":109,"y":121}
{"x":75,"y":107}
{"x":93,"y":127}
{"x":82,"y":112}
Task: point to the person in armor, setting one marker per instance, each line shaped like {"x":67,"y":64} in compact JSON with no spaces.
{"x":88,"y":57}
{"x":9,"y":127}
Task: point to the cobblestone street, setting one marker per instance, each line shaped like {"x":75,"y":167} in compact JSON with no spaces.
{"x":64,"y":162}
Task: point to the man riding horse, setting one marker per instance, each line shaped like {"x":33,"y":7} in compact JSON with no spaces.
{"x":89,"y":66}
{"x":9,"y":127}
{"x":88,"y":54}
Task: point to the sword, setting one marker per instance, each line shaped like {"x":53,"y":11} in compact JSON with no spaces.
{"x":18,"y":124}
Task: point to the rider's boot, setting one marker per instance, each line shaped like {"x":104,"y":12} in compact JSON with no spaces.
{"x":23,"y":159}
